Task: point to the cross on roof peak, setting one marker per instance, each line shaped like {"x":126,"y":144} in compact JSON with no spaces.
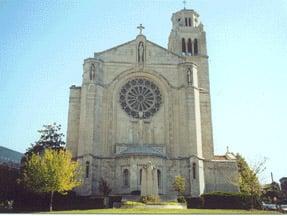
{"x":227,"y":150}
{"x":141,"y":27}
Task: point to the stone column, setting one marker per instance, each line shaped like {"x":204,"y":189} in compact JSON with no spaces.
{"x":133,"y":175}
{"x":155,"y":182}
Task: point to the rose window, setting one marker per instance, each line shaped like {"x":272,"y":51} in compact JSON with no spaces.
{"x":140,"y":98}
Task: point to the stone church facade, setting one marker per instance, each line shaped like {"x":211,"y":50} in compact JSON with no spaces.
{"x":140,"y":103}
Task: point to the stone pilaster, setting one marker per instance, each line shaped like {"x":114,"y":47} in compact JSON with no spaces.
{"x":194,"y":143}
{"x":74,"y":120}
{"x":197,"y":181}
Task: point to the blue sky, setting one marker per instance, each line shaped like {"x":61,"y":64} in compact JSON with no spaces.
{"x":43,"y":45}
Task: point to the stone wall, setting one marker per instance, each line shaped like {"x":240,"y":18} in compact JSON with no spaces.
{"x":221,"y":176}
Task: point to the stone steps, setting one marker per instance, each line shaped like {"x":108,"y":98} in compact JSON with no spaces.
{"x":164,"y":198}
{"x":131,"y":198}
{"x":167,"y":198}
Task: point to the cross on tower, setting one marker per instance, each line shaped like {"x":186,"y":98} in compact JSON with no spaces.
{"x":184,"y":3}
{"x":140,"y":27}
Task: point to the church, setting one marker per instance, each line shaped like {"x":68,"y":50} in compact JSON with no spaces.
{"x":140,"y":103}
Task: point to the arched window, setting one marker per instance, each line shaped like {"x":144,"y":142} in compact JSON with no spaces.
{"x":141,"y":172}
{"x":185,"y":21}
{"x":194,"y":170}
{"x":183,"y":45}
{"x":189,"y":21}
{"x":195,"y":46}
{"x":126,"y":177}
{"x":189,"y":76}
{"x":158,"y":178}
{"x":87,"y":169}
{"x":189,"y":46}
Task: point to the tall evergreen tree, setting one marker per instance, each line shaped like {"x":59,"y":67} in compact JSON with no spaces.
{"x":50,"y":137}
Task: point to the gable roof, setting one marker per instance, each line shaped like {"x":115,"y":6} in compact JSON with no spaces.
{"x":113,"y":48}
{"x":219,"y":157}
{"x":126,"y":52}
{"x":164,"y":49}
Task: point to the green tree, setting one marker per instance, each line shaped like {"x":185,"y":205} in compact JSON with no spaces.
{"x":248,"y":177}
{"x":179,"y":185}
{"x":50,"y":172}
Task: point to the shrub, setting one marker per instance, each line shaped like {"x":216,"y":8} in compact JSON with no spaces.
{"x":150,"y":199}
{"x":179,"y":185}
{"x":181,"y":199}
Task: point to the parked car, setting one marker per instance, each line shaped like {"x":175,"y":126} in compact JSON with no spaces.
{"x":269,"y":206}
{"x":282,"y":205}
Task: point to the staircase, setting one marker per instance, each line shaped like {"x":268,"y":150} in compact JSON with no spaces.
{"x":136,"y":198}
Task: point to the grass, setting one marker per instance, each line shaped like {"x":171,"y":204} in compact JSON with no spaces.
{"x":165,"y":211}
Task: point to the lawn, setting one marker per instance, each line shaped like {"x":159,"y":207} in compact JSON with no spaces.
{"x":165,"y":211}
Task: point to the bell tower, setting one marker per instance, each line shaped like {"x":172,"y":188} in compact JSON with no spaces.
{"x":187,"y":36}
{"x":188,"y":39}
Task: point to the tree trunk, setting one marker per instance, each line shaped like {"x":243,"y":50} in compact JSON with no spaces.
{"x":252,"y":201}
{"x":51,"y":201}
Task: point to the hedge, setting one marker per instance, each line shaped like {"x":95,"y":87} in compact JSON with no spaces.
{"x":40,"y":202}
{"x":114,"y":199}
{"x":194,"y":202}
{"x":221,"y":200}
